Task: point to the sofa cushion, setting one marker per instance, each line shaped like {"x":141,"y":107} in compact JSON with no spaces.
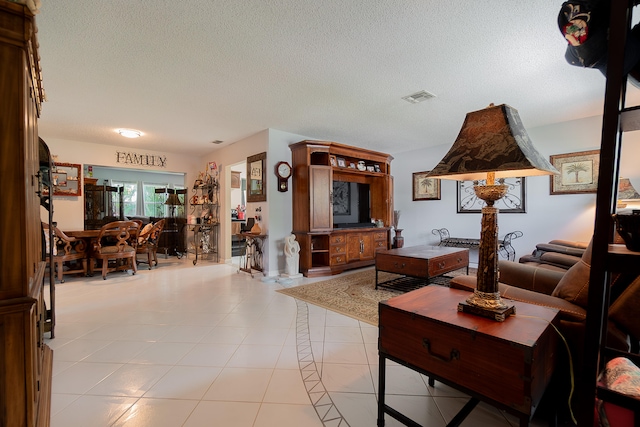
{"x":574,"y":285}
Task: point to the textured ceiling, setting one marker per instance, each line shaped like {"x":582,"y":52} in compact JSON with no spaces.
{"x":190,"y":72}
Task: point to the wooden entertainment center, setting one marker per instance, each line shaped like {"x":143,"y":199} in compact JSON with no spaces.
{"x":324,"y":248}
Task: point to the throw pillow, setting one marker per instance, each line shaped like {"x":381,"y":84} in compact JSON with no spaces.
{"x":574,"y":285}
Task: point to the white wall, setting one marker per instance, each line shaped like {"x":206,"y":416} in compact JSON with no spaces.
{"x":276,"y":211}
{"x":69,"y":211}
{"x":568,"y":217}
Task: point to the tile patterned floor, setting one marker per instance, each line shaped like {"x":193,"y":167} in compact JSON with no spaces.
{"x":192,"y":346}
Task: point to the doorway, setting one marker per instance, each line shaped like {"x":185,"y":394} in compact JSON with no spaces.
{"x":238,"y":205}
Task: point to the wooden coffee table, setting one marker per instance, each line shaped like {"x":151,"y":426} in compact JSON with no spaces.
{"x":420,"y":262}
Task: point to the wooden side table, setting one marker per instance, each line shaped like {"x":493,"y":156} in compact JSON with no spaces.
{"x":506,"y":364}
{"x":251,"y":258}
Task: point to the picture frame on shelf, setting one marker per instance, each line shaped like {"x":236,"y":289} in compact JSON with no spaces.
{"x":370,"y":168}
{"x":333,"y":161}
{"x":512,"y":202}
{"x":341,"y":162}
{"x":257,"y":178}
{"x":425,"y":188}
{"x":578,"y":172}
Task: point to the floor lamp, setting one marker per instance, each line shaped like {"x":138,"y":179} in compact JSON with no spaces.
{"x":492,"y":145}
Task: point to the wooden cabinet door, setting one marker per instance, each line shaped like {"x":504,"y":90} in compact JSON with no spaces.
{"x":360,"y":247}
{"x":354,"y":247}
{"x":368,"y":248}
{"x":320,"y":192}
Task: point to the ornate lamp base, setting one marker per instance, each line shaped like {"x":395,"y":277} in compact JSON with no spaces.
{"x":487,"y":305}
{"x":486,"y":300}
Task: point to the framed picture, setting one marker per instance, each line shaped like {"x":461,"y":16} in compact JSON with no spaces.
{"x":512,"y":202}
{"x":333,"y":161}
{"x":425,"y":188}
{"x":341,"y":162}
{"x":66,"y":180}
{"x":235,"y":179}
{"x":257,"y":178}
{"x":341,"y":198}
{"x":370,"y":169}
{"x":578,"y":172}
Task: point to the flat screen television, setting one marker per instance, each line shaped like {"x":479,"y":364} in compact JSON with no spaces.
{"x":351,"y":205}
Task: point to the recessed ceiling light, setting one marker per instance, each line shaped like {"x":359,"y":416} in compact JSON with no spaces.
{"x":129,"y":133}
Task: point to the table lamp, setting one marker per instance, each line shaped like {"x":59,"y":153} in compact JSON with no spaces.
{"x":491,"y":144}
{"x":172,"y":201}
{"x":626,"y":193}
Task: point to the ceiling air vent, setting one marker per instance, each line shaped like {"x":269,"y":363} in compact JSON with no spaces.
{"x":217,"y":141}
{"x":423,"y":95}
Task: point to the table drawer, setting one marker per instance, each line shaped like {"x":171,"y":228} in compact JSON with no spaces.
{"x":446,"y":263}
{"x":403,"y":265}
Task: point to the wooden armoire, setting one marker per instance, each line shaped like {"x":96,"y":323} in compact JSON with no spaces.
{"x":25,"y":360}
{"x":327,"y":175}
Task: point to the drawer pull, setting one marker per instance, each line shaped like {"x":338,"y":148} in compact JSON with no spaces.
{"x":395,"y":264}
{"x":454,"y":355}
{"x":441,"y":264}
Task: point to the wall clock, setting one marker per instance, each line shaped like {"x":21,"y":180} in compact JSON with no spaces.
{"x":283,"y":172}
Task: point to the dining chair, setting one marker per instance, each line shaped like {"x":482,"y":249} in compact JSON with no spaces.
{"x":68,"y":252}
{"x":148,"y":242}
{"x":116,"y":243}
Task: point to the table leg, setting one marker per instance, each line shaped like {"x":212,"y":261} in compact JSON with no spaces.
{"x":381,"y":389}
{"x":464,"y":412}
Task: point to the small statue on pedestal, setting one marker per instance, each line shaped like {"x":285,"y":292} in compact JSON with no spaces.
{"x":292,"y":255}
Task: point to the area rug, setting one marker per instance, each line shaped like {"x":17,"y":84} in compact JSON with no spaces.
{"x":353,"y":294}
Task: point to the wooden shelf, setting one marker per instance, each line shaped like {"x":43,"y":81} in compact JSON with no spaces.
{"x":620,"y":259}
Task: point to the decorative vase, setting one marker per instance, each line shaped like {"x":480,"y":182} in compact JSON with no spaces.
{"x":398,"y":240}
{"x":256,"y":229}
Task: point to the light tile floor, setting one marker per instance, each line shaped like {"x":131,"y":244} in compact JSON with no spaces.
{"x":185,"y":345}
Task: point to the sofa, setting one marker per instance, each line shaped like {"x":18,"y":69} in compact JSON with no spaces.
{"x":558,"y":255}
{"x":567,"y":291}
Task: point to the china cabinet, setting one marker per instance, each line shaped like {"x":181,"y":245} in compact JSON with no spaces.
{"x":25,"y":359}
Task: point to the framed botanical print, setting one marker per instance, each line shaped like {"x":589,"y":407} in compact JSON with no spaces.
{"x":578,"y":172}
{"x":257,"y":178}
{"x":512,"y":202}
{"x":425,"y":188}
